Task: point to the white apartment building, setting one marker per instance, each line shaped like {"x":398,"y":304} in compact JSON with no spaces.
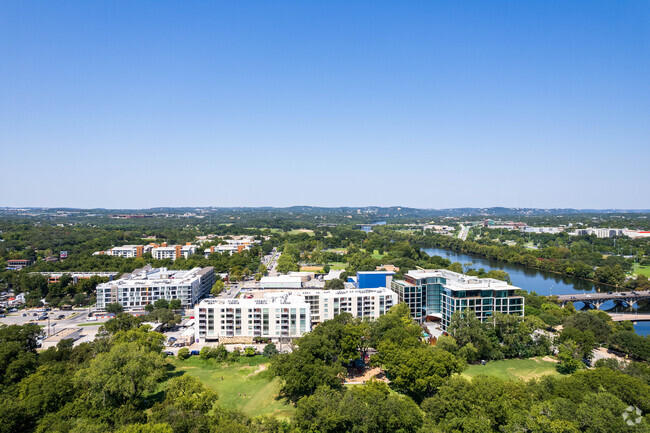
{"x":241,"y":320}
{"x":235,"y":245}
{"x":361,"y":303}
{"x":127,"y":251}
{"x":173,"y":252}
{"x":284,"y":314}
{"x":147,"y":285}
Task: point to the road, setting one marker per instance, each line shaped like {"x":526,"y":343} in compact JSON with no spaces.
{"x":271,"y":262}
{"x":464,"y":231}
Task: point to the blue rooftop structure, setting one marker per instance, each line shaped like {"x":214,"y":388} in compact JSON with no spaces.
{"x":373,"y":279}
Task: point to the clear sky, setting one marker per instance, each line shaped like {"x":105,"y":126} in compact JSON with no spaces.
{"x":432,"y":104}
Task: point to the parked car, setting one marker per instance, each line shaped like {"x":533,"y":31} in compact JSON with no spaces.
{"x":24,"y":314}
{"x":35,"y":314}
{"x":44,"y":317}
{"x":91,"y":319}
{"x":194,"y":353}
{"x":168,"y":353}
{"x":60,"y":316}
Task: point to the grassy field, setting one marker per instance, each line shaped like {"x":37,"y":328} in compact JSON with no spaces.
{"x":513,"y":369}
{"x":299,"y":231}
{"x":338,"y":265}
{"x":375,"y":255}
{"x":642,"y":270}
{"x":248,"y":378}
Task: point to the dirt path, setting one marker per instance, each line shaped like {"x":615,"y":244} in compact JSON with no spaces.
{"x":262,"y":368}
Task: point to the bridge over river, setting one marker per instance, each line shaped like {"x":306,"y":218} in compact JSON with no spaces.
{"x":598,"y":299}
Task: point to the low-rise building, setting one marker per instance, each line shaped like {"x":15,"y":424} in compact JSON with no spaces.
{"x":439,"y":293}
{"x":234,"y":244}
{"x":173,"y":252}
{"x":147,"y":285}
{"x":17,"y":264}
{"x":281,"y":282}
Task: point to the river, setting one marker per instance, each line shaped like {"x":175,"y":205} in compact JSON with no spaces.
{"x":543,"y":283}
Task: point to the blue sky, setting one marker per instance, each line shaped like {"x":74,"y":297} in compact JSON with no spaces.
{"x":434,"y":104}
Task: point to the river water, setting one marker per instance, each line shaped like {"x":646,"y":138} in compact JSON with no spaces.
{"x":543,"y":283}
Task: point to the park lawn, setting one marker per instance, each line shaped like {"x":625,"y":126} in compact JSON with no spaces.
{"x":513,"y":369}
{"x":247,"y":377}
{"x":299,"y":231}
{"x":375,"y":255}
{"x":337,"y":265}
{"x":642,"y":270}
{"x":336,"y":250}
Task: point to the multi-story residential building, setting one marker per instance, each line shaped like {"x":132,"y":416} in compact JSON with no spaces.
{"x":285,"y":314}
{"x":601,"y":233}
{"x":361,"y":303}
{"x":173,"y":252}
{"x":439,"y":293}
{"x":127,"y":251}
{"x":147,"y":285}
{"x":235,"y":245}
{"x":240,"y":320}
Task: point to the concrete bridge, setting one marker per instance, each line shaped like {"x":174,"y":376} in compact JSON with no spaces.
{"x":632,"y":317}
{"x":597,"y":299}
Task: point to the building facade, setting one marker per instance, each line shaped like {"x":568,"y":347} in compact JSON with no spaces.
{"x":284,"y":314}
{"x":173,"y":252}
{"x":147,"y":285}
{"x":241,"y":320}
{"x":361,"y":303}
{"x":439,"y":293}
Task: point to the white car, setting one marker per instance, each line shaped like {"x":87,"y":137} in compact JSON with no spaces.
{"x":91,"y":319}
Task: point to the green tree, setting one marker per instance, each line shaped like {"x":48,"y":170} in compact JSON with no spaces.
{"x":175,"y":304}
{"x":114,"y":308}
{"x":270,"y":350}
{"x":217,"y":288}
{"x":334,"y":284}
{"x":120,"y":375}
{"x":161,"y":304}
{"x":183,"y":353}
{"x":187,"y":407}
{"x":249,"y":351}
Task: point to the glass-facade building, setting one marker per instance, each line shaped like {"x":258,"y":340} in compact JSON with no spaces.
{"x":439,"y":293}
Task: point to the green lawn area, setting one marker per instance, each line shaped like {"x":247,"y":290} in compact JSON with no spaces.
{"x":248,"y":377}
{"x":337,"y":265}
{"x":375,"y":255}
{"x":513,"y":369}
{"x":299,"y":231}
{"x":642,"y":270}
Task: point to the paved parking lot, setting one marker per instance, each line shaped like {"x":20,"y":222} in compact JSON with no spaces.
{"x":73,"y":318}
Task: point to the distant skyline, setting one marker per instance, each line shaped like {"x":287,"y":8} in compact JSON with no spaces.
{"x":442,"y":104}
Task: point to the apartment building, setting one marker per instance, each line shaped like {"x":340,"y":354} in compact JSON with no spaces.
{"x":285,"y":314}
{"x":241,"y":320}
{"x":361,"y":303}
{"x":147,"y":285}
{"x":173,"y":252}
{"x":235,"y":245}
{"x":439,"y":293}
